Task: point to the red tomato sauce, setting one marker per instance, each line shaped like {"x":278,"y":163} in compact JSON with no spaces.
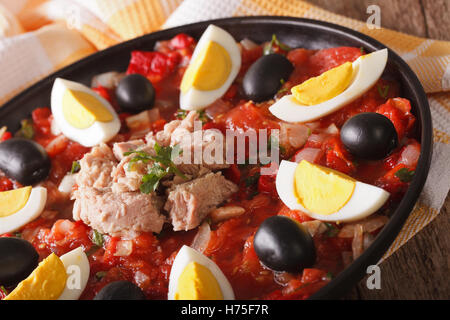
{"x":231,"y":244}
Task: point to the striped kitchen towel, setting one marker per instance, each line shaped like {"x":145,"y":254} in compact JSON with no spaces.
{"x":39,"y":36}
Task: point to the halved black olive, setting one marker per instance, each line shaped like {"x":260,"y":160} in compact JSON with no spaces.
{"x":264,"y":77}
{"x":120,"y":290}
{"x":369,"y":135}
{"x":24,"y":160}
{"x":283,"y":244}
{"x":18,"y":259}
{"x":135,"y":93}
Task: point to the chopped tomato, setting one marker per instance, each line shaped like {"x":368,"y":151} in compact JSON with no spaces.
{"x":247,"y":116}
{"x":326,"y":59}
{"x":41,"y":120}
{"x":6,"y":184}
{"x":398,"y":111}
{"x":181,"y":41}
{"x":6,"y":136}
{"x":337,"y":157}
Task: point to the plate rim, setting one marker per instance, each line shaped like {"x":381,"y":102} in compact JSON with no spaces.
{"x":353,"y":273}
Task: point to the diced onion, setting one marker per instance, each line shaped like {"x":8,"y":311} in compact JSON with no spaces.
{"x":217,"y":107}
{"x":108,"y":80}
{"x":410,"y":155}
{"x":124,"y":248}
{"x":332,"y":129}
{"x":358,"y":241}
{"x":308,"y":154}
{"x":294,"y":135}
{"x":248,"y":44}
{"x":67,"y":183}
{"x":369,"y":224}
{"x":201,"y":240}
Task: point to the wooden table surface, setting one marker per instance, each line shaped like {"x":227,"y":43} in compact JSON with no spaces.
{"x":419,"y":269}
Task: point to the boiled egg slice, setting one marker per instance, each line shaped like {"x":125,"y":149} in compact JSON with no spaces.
{"x":20,"y":206}
{"x":214,"y":65}
{"x":81,"y":114}
{"x":333,"y":89}
{"x":196,"y":277}
{"x":325,"y":194}
{"x":77,"y":268}
{"x":46,"y":282}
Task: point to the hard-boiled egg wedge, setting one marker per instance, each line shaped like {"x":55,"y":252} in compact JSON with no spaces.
{"x":214,"y":65}
{"x":195,"y":277}
{"x":20,"y":206}
{"x":81,"y":114}
{"x":77,"y":268}
{"x":325,"y":194}
{"x":333,"y":89}
{"x":46,"y":282}
{"x":55,"y":278}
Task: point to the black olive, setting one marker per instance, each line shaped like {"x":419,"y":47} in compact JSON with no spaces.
{"x":18,"y":259}
{"x":264,"y":77}
{"x":120,"y":290}
{"x":369,"y":135}
{"x":283,"y":244}
{"x":135,"y":93}
{"x":24,"y":160}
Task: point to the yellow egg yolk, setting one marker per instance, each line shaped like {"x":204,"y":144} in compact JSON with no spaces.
{"x":81,"y":109}
{"x":197,"y":282}
{"x":13,"y":200}
{"x":322,"y":190}
{"x":46,"y":282}
{"x":209,"y":70}
{"x":324,"y":87}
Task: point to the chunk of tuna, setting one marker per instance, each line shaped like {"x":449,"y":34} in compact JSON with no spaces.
{"x":96,"y":167}
{"x":189,"y":203}
{"x":118,"y":214}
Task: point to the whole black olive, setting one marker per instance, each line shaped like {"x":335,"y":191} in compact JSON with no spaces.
{"x":369,"y":135}
{"x":120,"y":290}
{"x":18,"y":259}
{"x":282,"y":244}
{"x":24,"y":160}
{"x":264,"y":77}
{"x":135,"y":93}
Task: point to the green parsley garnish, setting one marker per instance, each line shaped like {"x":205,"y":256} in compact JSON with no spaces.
{"x":181,"y":114}
{"x":163,"y":165}
{"x":329,"y":275}
{"x":405,"y":175}
{"x":332,"y":231}
{"x":26,"y":129}
{"x":202,"y":116}
{"x":75,"y":167}
{"x":99,"y":275}
{"x":251,"y":180}
{"x":383,"y":91}
{"x":269,"y":48}
{"x":3,"y":290}
{"x":97,"y":238}
{"x":362,"y":50}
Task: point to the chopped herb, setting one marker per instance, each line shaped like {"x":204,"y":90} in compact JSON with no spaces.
{"x":362,"y":50}
{"x":163,"y":165}
{"x":97,"y":238}
{"x":405,"y":175}
{"x":75,"y":167}
{"x":18,"y":234}
{"x":26,"y":129}
{"x":253,"y":194}
{"x":383,"y":91}
{"x":274,"y":141}
{"x":282,"y":90}
{"x":150,"y":181}
{"x":181,"y":114}
{"x":251,"y":180}
{"x":202,"y":116}
{"x":332,"y":231}
{"x":3,"y":291}
{"x":329,"y":275}
{"x":269,"y":48}
{"x":99,"y":275}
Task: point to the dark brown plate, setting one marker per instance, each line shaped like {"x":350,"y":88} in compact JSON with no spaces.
{"x":296,"y":33}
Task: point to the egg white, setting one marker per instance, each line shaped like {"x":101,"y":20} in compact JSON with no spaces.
{"x":77,"y":264}
{"x":367,"y":70}
{"x":32,"y":209}
{"x":365,"y":200}
{"x":195,"y":99}
{"x":98,"y":132}
{"x":187,"y":255}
